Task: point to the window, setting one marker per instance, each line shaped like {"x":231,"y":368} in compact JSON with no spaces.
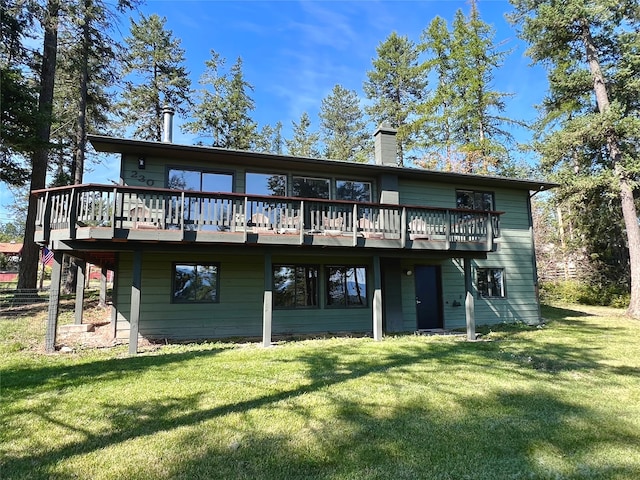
{"x":195,"y":282}
{"x":474,"y":200}
{"x":200,"y":181}
{"x":307,"y":187}
{"x":491,"y":282}
{"x":346,"y":286}
{"x":295,"y":286}
{"x":353,"y":191}
{"x":266,"y":184}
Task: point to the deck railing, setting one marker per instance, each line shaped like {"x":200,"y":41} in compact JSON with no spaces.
{"x":137,"y":208}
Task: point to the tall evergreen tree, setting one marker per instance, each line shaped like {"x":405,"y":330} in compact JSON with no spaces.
{"x":269,"y":139}
{"x":590,"y":130}
{"x":154,"y":62}
{"x":343,"y":127}
{"x":18,"y":94}
{"x":223,"y":112}
{"x":304,"y":142}
{"x":28,"y":272}
{"x":476,"y":136}
{"x":395,"y":85}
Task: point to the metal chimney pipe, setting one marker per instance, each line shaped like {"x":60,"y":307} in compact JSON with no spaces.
{"x":167,"y":118}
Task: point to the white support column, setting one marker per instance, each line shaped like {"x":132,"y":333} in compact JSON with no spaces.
{"x":267,"y":307}
{"x":80,"y":283}
{"x":54,"y":303}
{"x":134,"y":320}
{"x":469,"y":302}
{"x":377,"y":299}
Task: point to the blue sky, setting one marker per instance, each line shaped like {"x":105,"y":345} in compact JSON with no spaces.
{"x":294,"y":52}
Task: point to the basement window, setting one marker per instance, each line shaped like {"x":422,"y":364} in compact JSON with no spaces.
{"x":295,"y":286}
{"x":491,"y":282}
{"x":195,"y":283}
{"x":346,"y":286}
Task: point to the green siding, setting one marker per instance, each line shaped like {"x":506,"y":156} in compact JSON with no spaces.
{"x":239,"y":312}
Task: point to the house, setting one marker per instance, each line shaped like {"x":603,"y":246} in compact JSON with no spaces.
{"x":209,"y":242}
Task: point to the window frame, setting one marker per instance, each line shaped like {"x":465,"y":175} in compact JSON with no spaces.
{"x":473,"y":194}
{"x":489,"y":274}
{"x":337,"y":189}
{"x":346,"y":305}
{"x":267,"y":174}
{"x":201,"y":171}
{"x":293,"y":266}
{"x":324,"y":179}
{"x":174,"y":266}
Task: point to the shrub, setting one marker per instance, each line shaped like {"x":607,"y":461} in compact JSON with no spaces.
{"x":574,"y":291}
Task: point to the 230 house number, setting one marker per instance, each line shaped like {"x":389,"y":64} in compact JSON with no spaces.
{"x":142,"y":179}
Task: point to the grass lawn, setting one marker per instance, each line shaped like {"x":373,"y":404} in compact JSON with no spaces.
{"x":555,"y":402}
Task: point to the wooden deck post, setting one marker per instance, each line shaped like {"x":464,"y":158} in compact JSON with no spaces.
{"x":469,"y":304}
{"x":134,"y":319}
{"x":377,"y":299}
{"x":103,"y":286}
{"x":267,"y":309}
{"x":80,"y":283}
{"x":54,"y":303}
{"x":114,"y":303}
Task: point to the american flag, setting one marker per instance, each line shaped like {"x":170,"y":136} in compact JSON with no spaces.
{"x":47,"y":256}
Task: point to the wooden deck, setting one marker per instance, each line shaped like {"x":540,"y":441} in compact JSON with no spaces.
{"x":133,"y":214}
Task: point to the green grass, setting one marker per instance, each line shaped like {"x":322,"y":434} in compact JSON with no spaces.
{"x":555,"y":402}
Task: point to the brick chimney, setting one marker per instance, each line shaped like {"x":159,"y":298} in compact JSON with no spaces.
{"x":386,"y":147}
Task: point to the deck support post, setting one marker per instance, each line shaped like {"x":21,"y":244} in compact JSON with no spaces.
{"x":80,"y":283}
{"x":469,"y":303}
{"x":114,"y":303}
{"x":134,"y":320}
{"x":103,"y":286}
{"x":377,"y":299}
{"x":267,"y":308}
{"x":54,"y":303}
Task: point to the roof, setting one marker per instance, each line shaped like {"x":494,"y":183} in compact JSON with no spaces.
{"x":11,"y":248}
{"x":198,"y":152}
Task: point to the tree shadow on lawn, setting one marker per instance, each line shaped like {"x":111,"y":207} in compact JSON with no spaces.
{"x":511,"y":435}
{"x":435,"y":434}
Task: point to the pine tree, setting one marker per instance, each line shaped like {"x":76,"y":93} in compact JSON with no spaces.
{"x":475,"y":136}
{"x":154,"y":63}
{"x":395,"y":85}
{"x":28,"y":272}
{"x":588,"y":134}
{"x":18,"y":95}
{"x":304,"y":142}
{"x":343,"y":127}
{"x":223,"y":110}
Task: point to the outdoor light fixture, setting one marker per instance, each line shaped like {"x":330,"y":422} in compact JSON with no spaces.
{"x":141,"y":163}
{"x":408,"y":272}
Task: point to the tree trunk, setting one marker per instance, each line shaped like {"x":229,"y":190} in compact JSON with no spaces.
{"x":28,"y":273}
{"x":629,"y":211}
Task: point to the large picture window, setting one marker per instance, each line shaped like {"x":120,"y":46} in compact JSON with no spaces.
{"x":353,"y":191}
{"x":195,"y":282}
{"x":346,"y":286}
{"x":266,"y":184}
{"x":295,"y":286}
{"x":307,"y":187}
{"x":491,"y":282}
{"x":474,"y":200}
{"x":200,"y":181}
